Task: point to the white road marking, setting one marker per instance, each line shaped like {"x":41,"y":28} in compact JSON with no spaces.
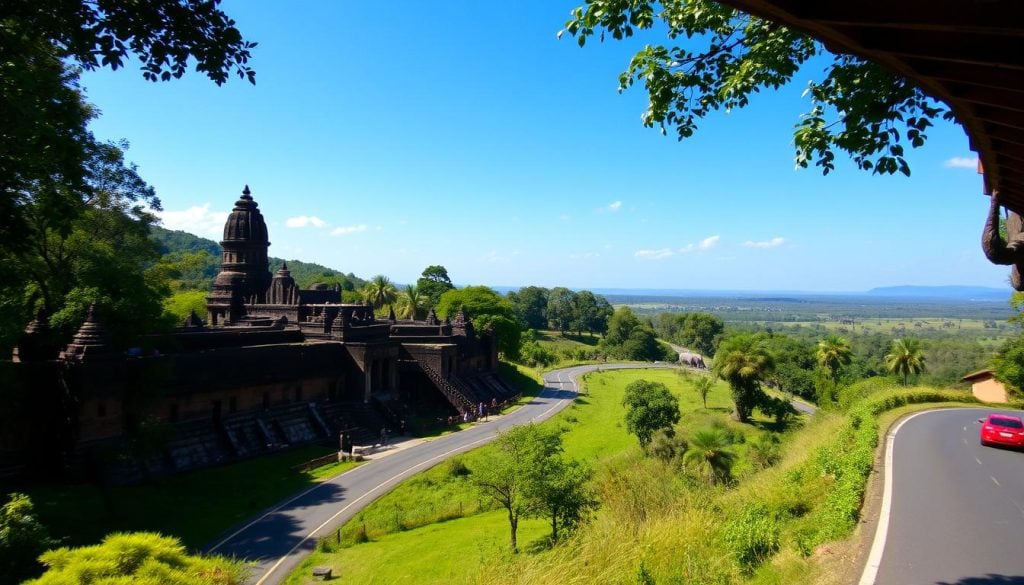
{"x":995,"y":481}
{"x":273,"y":568}
{"x":978,"y":460}
{"x":878,"y":547}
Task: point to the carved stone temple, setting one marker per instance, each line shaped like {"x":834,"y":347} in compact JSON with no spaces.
{"x":272,"y":366}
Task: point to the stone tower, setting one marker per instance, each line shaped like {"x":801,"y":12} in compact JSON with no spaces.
{"x":244,"y":272}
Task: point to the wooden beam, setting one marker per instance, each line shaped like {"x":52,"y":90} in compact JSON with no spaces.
{"x":972,"y":49}
{"x":976,"y":94}
{"x":1004,"y":134}
{"x":997,"y":77}
{"x":990,"y":17}
{"x":1000,"y":116}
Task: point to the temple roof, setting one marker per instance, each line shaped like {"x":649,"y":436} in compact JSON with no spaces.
{"x":968,"y":54}
{"x":245,"y":222}
{"x":90,"y":342}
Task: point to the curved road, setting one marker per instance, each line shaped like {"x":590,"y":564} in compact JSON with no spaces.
{"x":277,"y":540}
{"x":956,"y":514}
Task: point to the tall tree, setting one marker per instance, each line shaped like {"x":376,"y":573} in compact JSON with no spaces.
{"x":411,"y":302}
{"x":560,"y":308}
{"x":486,"y":308}
{"x":905,"y":358}
{"x":856,"y":107}
{"x":531,"y":306}
{"x":380,"y":292}
{"x":650,"y":407}
{"x":744,"y":362}
{"x":560,"y":494}
{"x":434,"y":282}
{"x":520,"y":456}
{"x":701,"y":332}
{"x":833,"y":353}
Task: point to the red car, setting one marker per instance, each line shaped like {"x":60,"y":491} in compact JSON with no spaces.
{"x":1002,"y":429}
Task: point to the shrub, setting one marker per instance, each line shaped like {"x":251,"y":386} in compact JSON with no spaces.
{"x":457,"y":467}
{"x":765,"y":451}
{"x":667,"y":446}
{"x":753,"y":536}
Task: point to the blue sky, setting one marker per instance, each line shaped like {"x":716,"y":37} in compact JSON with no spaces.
{"x":466,"y":134}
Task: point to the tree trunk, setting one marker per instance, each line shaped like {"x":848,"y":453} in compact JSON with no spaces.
{"x":513,"y":524}
{"x":554,"y":527}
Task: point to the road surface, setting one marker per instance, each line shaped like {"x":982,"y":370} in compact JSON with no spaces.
{"x":956,"y":513}
{"x":277,"y":540}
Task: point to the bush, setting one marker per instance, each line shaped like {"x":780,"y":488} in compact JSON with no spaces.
{"x":457,"y":467}
{"x":765,"y":451}
{"x":753,"y":536}
{"x":667,"y":446}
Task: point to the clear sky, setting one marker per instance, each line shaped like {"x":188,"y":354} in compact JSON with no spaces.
{"x":383,"y":138}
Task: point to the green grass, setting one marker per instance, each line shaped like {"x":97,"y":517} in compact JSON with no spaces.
{"x":438,"y":507}
{"x":450,"y":552}
{"x":195,"y":507}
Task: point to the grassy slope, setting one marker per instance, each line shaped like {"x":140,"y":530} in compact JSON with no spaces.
{"x":195,"y":507}
{"x":399,"y":524}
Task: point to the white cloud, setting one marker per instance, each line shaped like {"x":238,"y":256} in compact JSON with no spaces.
{"x":494,"y":257}
{"x":349,"y":229}
{"x":772,"y":243}
{"x":961,"y":162}
{"x":584,"y":256}
{"x":709,"y":242}
{"x":705,"y":244}
{"x":615,"y":206}
{"x":654,"y":254}
{"x":198,"y":220}
{"x":302,"y":221}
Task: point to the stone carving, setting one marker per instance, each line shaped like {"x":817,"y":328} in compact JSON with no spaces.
{"x":1010,"y":252}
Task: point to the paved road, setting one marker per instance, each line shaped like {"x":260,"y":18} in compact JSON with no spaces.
{"x":957,"y":508}
{"x":280,"y":538}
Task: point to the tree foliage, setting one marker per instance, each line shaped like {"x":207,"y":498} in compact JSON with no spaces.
{"x":22,"y":539}
{"x":380,"y":292}
{"x":1008,"y":364}
{"x":433,"y":283}
{"x":905,"y":358}
{"x":531,"y":306}
{"x":856,"y":107}
{"x":709,"y":453}
{"x":140,"y":557}
{"x":486,"y":308}
{"x":650,"y":407}
{"x":744,"y":362}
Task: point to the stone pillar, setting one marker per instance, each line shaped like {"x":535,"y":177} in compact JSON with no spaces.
{"x":368,"y":376}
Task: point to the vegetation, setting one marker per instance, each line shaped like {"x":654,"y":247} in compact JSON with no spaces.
{"x":486,"y":308}
{"x":857,"y":107}
{"x":650,"y":407}
{"x":433,"y":283}
{"x":22,"y":539}
{"x":631,"y":339}
{"x":142,"y":557}
{"x":380,"y":292}
{"x":906,"y":358}
{"x":744,"y":363}
{"x":205,"y":502}
{"x":697,"y":331}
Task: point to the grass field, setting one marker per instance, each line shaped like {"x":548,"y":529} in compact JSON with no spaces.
{"x":437,"y":527}
{"x":195,"y":506}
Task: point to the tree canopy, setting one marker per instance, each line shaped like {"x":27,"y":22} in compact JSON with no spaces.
{"x":744,"y":361}
{"x":433,"y":283}
{"x":486,"y":308}
{"x":856,"y":107}
{"x":650,"y":407}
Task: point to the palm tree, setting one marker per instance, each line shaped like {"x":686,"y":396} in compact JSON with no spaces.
{"x":411,"y":302}
{"x":744,"y":362}
{"x":703,"y":384}
{"x":709,"y":453}
{"x":833,"y":353}
{"x":380,"y":292}
{"x":905,"y":358}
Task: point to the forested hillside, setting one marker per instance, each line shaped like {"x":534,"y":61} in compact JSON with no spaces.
{"x":204,"y":262}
